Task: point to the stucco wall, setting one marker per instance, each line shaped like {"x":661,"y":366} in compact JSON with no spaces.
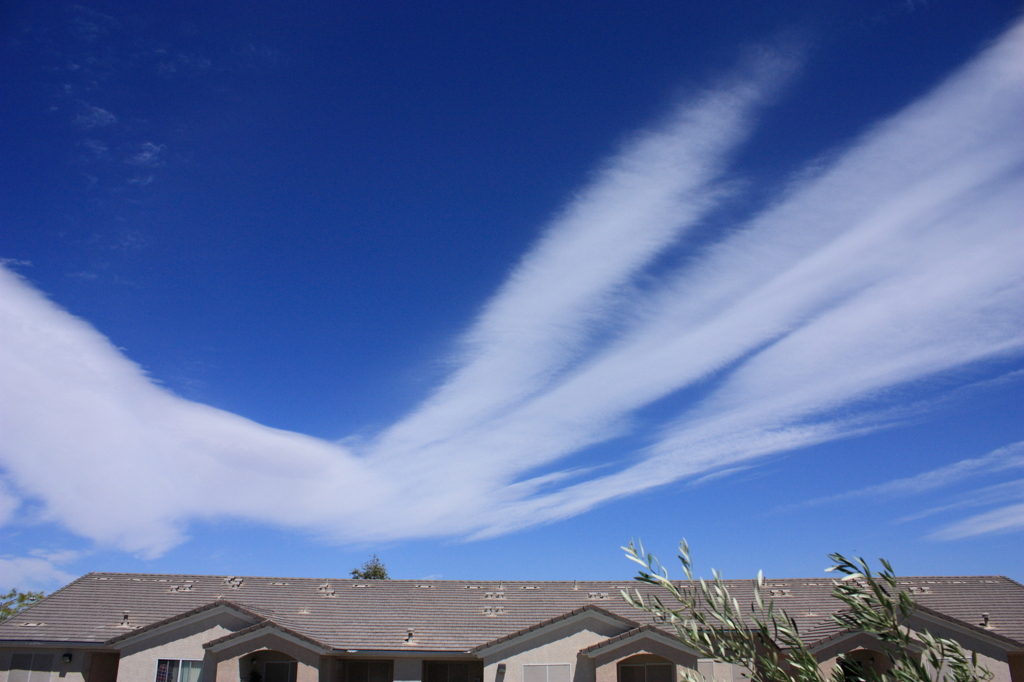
{"x":559,"y":645}
{"x":606,"y":662}
{"x":233,"y":663}
{"x":828,"y":656}
{"x":139,"y":658}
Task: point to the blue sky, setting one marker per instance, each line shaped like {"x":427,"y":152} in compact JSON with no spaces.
{"x":489,"y":289}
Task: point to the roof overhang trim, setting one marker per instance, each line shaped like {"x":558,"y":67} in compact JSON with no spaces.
{"x":259,"y":630}
{"x":585,"y":613}
{"x":630,"y":638}
{"x":992,"y":638}
{"x":183,"y":619}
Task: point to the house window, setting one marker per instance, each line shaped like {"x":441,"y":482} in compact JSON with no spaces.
{"x":368,"y":671}
{"x":30,"y":668}
{"x":646,"y":672}
{"x":279,"y":671}
{"x":175,"y":670}
{"x":453,"y":671}
{"x":560,"y":672}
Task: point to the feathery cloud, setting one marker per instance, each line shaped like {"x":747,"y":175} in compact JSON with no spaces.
{"x":899,"y":260}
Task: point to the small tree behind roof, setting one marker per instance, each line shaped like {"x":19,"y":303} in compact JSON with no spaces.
{"x":373,"y":569}
{"x":15,"y":601}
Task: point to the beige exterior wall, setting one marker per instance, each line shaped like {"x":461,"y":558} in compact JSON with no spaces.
{"x":139,"y":657}
{"x":988,"y":656}
{"x":234,"y":663}
{"x":75,"y":671}
{"x":554,"y":646}
{"x":643,"y":649}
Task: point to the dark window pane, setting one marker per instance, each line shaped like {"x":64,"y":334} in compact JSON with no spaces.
{"x":379,"y":671}
{"x":357,"y":671}
{"x":631,"y":673}
{"x":277,"y":671}
{"x":659,"y":673}
{"x":20,"y":665}
{"x":458,"y":672}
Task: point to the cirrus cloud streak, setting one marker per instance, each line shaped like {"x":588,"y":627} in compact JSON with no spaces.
{"x":900,"y":259}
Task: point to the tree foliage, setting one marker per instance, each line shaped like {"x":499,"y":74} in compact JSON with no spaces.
{"x":766,"y":640}
{"x":373,"y":569}
{"x":15,"y":601}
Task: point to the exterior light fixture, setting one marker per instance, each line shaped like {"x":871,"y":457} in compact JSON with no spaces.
{"x":66,"y":658}
{"x":501,"y":668}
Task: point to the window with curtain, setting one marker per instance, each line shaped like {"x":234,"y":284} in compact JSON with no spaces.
{"x":176,"y":670}
{"x":30,"y":668}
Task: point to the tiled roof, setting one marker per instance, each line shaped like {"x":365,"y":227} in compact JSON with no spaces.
{"x":128,"y":632}
{"x":455,"y":616}
{"x":628,"y":634}
{"x":551,"y":621}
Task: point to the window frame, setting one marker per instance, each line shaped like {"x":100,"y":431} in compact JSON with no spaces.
{"x":31,"y":665}
{"x":673,"y":669}
{"x":547,"y":671}
{"x":156,"y":671}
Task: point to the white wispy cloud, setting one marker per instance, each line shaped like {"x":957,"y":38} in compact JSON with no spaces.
{"x":146,"y":154}
{"x":998,"y":494}
{"x":40,"y":571}
{"x":94,"y":117}
{"x":900,"y":259}
{"x":1000,"y":520}
{"x":1006,"y":458}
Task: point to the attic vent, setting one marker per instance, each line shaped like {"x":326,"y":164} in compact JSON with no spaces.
{"x":472,"y":587}
{"x":780,"y":593}
{"x":104,"y":578}
{"x":989,"y":582}
{"x":424,"y":586}
{"x":920,"y":590}
{"x":32,"y":625}
{"x":494,"y":610}
{"x":494,"y":595}
{"x":233,"y":582}
{"x":278,"y":583}
{"x":187,"y":587}
{"x":135,"y":580}
{"x":362,"y":585}
{"x":331,"y":594}
{"x":304,"y":611}
{"x":528,"y":587}
{"x":324,"y":588}
{"x":597,"y":595}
